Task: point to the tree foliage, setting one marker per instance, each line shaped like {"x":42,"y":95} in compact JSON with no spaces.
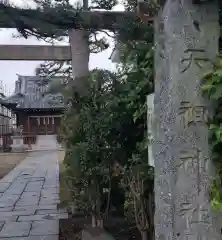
{"x":212,"y":88}
{"x":90,"y":154}
{"x":106,"y":127}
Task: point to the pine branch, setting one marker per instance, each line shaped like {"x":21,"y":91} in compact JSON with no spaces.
{"x":53,"y":22}
{"x":62,"y":19}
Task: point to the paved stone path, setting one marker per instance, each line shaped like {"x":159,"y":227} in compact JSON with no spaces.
{"x":45,"y":142}
{"x":29,"y":195}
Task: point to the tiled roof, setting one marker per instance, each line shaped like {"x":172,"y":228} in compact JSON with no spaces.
{"x":32,"y":92}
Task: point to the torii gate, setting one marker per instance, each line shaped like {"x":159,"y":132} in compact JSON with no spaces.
{"x":65,"y":53}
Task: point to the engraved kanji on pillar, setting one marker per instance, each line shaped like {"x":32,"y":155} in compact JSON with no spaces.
{"x":191,"y":113}
{"x":183,"y":166}
{"x":192,"y":55}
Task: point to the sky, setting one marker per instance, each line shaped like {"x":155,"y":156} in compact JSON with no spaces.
{"x":10,"y":69}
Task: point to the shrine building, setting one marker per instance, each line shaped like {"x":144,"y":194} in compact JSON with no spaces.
{"x":37,"y":111}
{"x":6,"y":117}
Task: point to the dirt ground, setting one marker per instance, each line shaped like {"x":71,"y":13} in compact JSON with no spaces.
{"x":9,"y":160}
{"x":69,"y":230}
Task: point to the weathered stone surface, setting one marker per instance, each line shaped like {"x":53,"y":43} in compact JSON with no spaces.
{"x":4,"y":186}
{"x":51,"y":180}
{"x":186,"y":37}
{"x":50,"y":195}
{"x":50,"y":186}
{"x":25,"y":202}
{"x":35,"y":179}
{"x":32,"y":194}
{"x":35,"y":207}
{"x":34,"y":186}
{"x":8,"y":218}
{"x":16,"y":229}
{"x":20,"y":203}
{"x":52,"y":216}
{"x":50,"y":211}
{"x":49,"y":201}
{"x":49,"y":191}
{"x":26,"y":172}
{"x":48,"y":237}
{"x":31,"y":198}
{"x":8,"y":200}
{"x":17,"y":187}
{"x":6,"y":209}
{"x":17,"y":213}
{"x":45,"y":228}
{"x":25,"y":177}
{"x":1,"y":226}
{"x":15,"y":190}
{"x":18,"y":144}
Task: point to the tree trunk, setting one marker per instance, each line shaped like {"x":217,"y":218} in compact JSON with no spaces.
{"x":144,"y":235}
{"x":73,"y":208}
{"x":150,"y":208}
{"x":94,"y":222}
{"x":100,"y":222}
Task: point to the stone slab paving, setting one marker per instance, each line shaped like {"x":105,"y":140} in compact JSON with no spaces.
{"x":29,"y":195}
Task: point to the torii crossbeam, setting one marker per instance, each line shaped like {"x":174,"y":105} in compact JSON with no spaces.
{"x":35,"y":53}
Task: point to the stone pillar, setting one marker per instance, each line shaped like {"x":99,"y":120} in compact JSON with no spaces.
{"x":80,"y":58}
{"x":80,"y":52}
{"x":18,"y":144}
{"x":186,"y":36}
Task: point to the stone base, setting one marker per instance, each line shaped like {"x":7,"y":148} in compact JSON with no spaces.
{"x":19,"y":149}
{"x":18,"y":145}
